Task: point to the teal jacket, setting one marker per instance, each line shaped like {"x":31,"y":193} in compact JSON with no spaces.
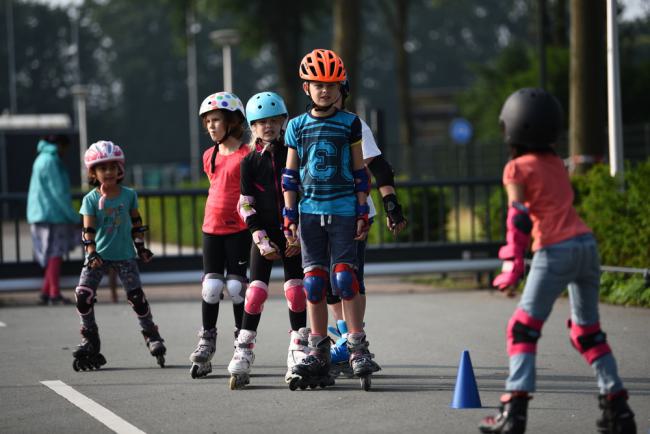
{"x":49,"y":199}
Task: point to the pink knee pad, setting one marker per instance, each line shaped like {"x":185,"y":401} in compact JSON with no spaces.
{"x":295,"y":295}
{"x":523,"y":333}
{"x":589,"y":340}
{"x":256,"y":295}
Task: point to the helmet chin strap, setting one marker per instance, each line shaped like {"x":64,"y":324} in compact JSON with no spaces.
{"x":215,"y":150}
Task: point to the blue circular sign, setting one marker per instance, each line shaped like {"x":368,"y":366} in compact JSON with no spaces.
{"x":461,"y":131}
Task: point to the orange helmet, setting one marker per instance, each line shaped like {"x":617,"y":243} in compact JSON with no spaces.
{"x":322,"y":65}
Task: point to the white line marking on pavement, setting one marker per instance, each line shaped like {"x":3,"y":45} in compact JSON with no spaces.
{"x":2,"y":324}
{"x":102,"y":414}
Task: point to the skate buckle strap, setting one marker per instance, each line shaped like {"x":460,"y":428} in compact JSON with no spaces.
{"x":249,"y":345}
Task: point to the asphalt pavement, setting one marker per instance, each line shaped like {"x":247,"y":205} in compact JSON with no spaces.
{"x":417,"y":334}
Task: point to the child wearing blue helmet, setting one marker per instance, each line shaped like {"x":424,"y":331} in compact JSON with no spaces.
{"x":260,"y":206}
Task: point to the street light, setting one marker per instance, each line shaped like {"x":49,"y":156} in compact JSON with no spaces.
{"x":79,"y":92}
{"x":226,"y":38}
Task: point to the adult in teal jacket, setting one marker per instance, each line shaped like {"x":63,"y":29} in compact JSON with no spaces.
{"x":50,"y":214}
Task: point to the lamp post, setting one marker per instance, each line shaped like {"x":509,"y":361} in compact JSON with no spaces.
{"x":614,"y":96}
{"x":79,"y":92}
{"x":226,"y":38}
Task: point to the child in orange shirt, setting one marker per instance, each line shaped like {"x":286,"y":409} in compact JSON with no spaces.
{"x":541,"y":202}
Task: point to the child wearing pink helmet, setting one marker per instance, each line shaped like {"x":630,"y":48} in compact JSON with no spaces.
{"x":113,"y":238}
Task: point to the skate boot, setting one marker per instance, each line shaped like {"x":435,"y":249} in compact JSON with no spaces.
{"x":339,"y":354}
{"x":87,"y":355}
{"x":314,"y":370}
{"x":297,"y":351}
{"x":240,"y":365}
{"x":617,"y":416}
{"x":200,"y":358}
{"x":340,"y":357}
{"x":155,"y":345}
{"x":512,"y":415}
{"x":361,"y":359}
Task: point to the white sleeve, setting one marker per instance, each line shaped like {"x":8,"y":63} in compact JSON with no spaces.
{"x":369,"y":147}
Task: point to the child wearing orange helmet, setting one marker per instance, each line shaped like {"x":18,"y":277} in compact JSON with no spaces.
{"x":325,"y":163}
{"x":113,"y":237}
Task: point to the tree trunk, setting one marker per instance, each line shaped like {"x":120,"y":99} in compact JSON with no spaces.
{"x":347,"y":40}
{"x":286,"y":47}
{"x":588,"y":88}
{"x":559,"y":32}
{"x":396,"y":15}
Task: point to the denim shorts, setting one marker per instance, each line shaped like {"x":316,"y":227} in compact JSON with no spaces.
{"x":572,"y":264}
{"x":327,"y":239}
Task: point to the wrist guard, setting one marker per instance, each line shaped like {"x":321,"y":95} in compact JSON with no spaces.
{"x":393,"y":209}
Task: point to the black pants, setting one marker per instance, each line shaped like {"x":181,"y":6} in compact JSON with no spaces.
{"x":227,"y":253}
{"x":261,"y":270}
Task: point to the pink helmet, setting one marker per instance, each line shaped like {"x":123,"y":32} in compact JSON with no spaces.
{"x":104,"y":151}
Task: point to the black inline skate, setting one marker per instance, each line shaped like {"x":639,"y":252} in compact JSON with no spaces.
{"x":87,"y":355}
{"x":155,"y":345}
{"x":361,"y":359}
{"x":314,"y":370}
{"x":512,"y":415}
{"x":617,"y":416}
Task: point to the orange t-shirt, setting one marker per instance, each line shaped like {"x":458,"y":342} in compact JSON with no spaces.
{"x":221,"y":216}
{"x":549,"y":197}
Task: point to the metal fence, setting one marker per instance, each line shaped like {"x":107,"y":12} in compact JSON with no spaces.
{"x":447,"y":220}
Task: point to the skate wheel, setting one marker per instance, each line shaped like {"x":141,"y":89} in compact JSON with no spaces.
{"x":194,"y":371}
{"x":366,"y":382}
{"x":303,"y":386}
{"x":75,"y":365}
{"x":293,"y":384}
{"x":233,"y":383}
{"x":161,"y":361}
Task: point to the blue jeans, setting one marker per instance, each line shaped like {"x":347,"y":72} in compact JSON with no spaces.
{"x":327,"y":239}
{"x":574,"y":263}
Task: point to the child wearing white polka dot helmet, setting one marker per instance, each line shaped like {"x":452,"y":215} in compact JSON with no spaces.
{"x":226,"y":238}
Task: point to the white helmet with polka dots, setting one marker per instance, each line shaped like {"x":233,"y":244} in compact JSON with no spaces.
{"x":222,"y":101}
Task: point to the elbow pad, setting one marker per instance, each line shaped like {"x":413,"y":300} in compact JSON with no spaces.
{"x":382,"y":171}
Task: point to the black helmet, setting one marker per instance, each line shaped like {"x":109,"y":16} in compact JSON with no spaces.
{"x":532,"y":118}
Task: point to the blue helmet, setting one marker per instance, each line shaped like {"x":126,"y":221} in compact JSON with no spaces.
{"x":265,"y":105}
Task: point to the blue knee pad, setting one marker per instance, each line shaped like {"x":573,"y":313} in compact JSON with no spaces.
{"x":314,"y":284}
{"x":346,"y":281}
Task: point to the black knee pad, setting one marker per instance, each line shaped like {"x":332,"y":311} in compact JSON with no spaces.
{"x":85,"y":298}
{"x":138,"y":302}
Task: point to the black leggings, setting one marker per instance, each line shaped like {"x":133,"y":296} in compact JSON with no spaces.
{"x":261,"y":267}
{"x":225,"y":253}
{"x":261,"y":270}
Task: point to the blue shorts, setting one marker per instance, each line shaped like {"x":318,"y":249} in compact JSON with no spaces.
{"x":327,"y":239}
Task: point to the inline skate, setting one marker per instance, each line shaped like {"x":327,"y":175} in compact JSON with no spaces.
{"x":361,"y":359}
{"x":155,"y":345}
{"x":240,"y":365}
{"x":87,"y":355}
{"x":617,"y":417}
{"x":200,"y":358}
{"x":297,"y":351}
{"x":314,"y":370}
